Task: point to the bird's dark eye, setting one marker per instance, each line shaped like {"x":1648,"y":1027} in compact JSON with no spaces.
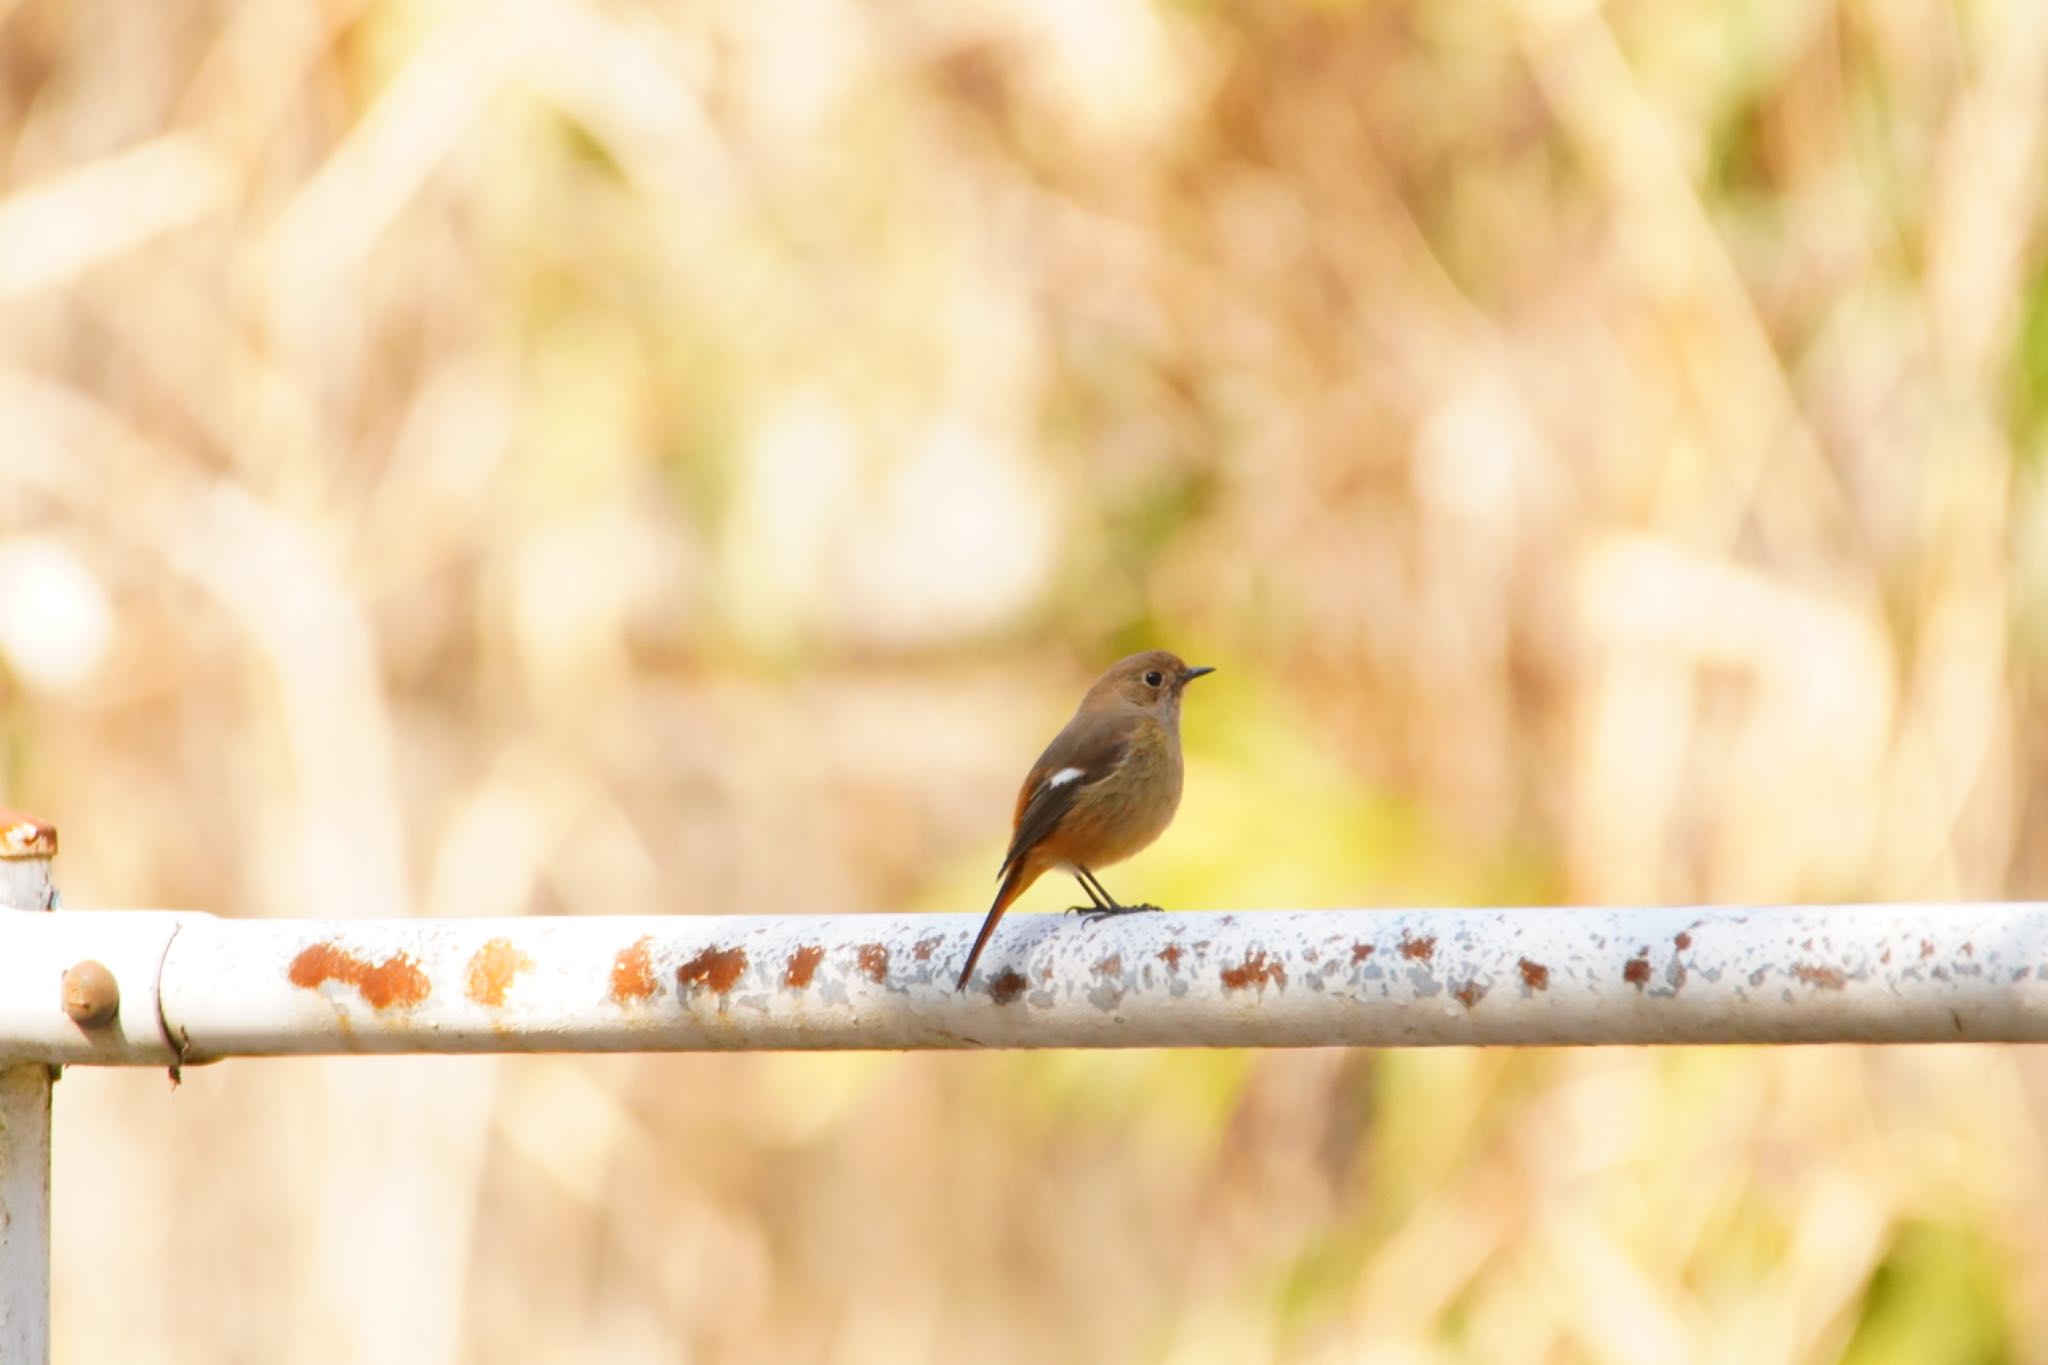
{"x":1153,"y":679}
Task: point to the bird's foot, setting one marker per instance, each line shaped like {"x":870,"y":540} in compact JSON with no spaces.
{"x":1094,"y":913}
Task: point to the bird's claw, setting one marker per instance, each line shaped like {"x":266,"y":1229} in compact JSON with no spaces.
{"x":1092,"y":913}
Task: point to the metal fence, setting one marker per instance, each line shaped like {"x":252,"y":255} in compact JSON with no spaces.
{"x":172,"y":989}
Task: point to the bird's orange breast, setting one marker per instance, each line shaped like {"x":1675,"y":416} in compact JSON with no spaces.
{"x":1119,"y":816}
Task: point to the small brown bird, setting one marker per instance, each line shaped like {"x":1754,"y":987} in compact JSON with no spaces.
{"x":1106,"y":786}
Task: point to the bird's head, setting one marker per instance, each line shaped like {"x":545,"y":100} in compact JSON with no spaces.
{"x":1151,"y":681}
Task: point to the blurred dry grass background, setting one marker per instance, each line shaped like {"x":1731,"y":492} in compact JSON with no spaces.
{"x":617,"y":459}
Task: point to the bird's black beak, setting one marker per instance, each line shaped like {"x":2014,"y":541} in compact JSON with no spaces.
{"x":1188,"y":675}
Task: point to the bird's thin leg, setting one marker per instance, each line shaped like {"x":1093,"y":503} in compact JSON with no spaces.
{"x":1099,"y":906}
{"x":1108,"y":905}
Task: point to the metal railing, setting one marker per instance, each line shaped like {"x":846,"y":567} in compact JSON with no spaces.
{"x":167,"y":988}
{"x":26,"y":848}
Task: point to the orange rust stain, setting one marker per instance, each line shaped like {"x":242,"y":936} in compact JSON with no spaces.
{"x":1113,"y":965}
{"x":922,"y":949}
{"x":1637,"y":972}
{"x":1926,"y":948}
{"x":1255,"y":970}
{"x":874,"y":960}
{"x":1421,"y":949}
{"x":394,"y":981}
{"x":718,"y":968}
{"x":1006,"y":987}
{"x":1171,"y":955}
{"x":803,"y":965}
{"x":1826,"y":978}
{"x":24,"y":836}
{"x":1969,"y":950}
{"x":1886,"y":960}
{"x":1535,"y":975}
{"x":633,"y":973}
{"x":1684,"y":941}
{"x":491,"y":970}
{"x":1360,"y":952}
{"x":1469,"y":994}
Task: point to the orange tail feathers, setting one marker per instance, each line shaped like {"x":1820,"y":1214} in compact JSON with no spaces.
{"x":1020,"y":876}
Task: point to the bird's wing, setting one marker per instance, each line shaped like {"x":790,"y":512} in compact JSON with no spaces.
{"x":1084,"y":753}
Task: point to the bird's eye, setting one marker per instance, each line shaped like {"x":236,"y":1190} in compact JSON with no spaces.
{"x":1153,"y":679}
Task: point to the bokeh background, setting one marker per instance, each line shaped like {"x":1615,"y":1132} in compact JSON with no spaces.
{"x":542,"y":457}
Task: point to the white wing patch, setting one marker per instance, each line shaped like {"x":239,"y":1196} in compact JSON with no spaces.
{"x":1062,"y":777}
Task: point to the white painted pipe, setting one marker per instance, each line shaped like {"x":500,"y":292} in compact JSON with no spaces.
{"x":199,"y":988}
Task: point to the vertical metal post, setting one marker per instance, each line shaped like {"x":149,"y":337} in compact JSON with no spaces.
{"x":26,"y":847}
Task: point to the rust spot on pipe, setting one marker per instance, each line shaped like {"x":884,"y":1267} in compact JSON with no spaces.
{"x":491,"y":970}
{"x":874,"y":960}
{"x":922,"y":949}
{"x":1684,"y":940}
{"x":718,"y":968}
{"x":1113,"y":965}
{"x":1360,"y":952}
{"x":1535,"y":975}
{"x":397,"y":980}
{"x":1469,"y":994}
{"x":1007,"y":987}
{"x":1255,"y":970}
{"x":1421,"y":949}
{"x":633,"y":973}
{"x":803,"y":965}
{"x":24,"y":836}
{"x":1825,"y":978}
{"x":1171,"y":955}
{"x":1637,"y":971}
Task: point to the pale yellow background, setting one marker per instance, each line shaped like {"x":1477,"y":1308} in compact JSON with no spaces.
{"x":623,"y":458}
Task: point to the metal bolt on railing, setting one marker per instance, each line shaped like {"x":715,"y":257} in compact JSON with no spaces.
{"x":91,"y":995}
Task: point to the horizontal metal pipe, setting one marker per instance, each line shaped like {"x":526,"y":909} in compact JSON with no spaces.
{"x":1871,"y":973}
